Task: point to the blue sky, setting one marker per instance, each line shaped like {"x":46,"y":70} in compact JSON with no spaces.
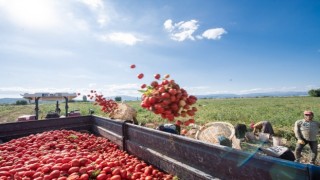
{"x":208,"y":46}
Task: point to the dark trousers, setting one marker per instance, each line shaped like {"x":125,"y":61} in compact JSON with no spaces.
{"x":314,"y":150}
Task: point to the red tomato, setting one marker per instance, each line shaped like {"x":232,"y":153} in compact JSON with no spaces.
{"x":165,"y":95}
{"x":154,"y":84}
{"x":148,"y":178}
{"x":83,"y":170}
{"x":101,"y":177}
{"x":37,"y":174}
{"x":66,"y":159}
{"x":73,"y":177}
{"x":34,"y":166}
{"x":65,"y":167}
{"x":107,"y":169}
{"x":84,"y":177}
{"x":75,"y":163}
{"x":115,"y":177}
{"x":140,"y":76}
{"x":55,"y":174}
{"x":83,"y":161}
{"x":73,"y":169}
{"x":62,"y":178}
{"x":138,"y":167}
{"x":184,"y":132}
{"x":123,"y":174}
{"x":47,"y":177}
{"x":4,"y":173}
{"x":143,"y":86}
{"x":148,"y":171}
{"x":157,"y":76}
{"x":116,"y":171}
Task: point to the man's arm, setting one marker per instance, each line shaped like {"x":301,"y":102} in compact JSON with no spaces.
{"x":297,"y":131}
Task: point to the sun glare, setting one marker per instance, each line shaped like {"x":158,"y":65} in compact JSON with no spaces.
{"x":38,"y":14}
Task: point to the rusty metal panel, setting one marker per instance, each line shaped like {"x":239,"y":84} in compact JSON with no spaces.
{"x":217,"y":161}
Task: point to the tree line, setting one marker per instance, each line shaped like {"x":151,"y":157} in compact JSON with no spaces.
{"x":314,"y":92}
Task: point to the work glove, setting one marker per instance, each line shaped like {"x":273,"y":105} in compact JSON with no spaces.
{"x":301,"y":141}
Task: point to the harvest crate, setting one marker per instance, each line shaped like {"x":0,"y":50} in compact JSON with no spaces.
{"x":178,"y":155}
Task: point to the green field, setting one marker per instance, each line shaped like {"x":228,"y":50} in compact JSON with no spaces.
{"x":281,"y":112}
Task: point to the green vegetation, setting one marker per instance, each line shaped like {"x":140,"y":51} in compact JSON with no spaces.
{"x":314,"y":92}
{"x":118,"y":98}
{"x":21,"y":102}
{"x":84,"y":98}
{"x":281,"y":112}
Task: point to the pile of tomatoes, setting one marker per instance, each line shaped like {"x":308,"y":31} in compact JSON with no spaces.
{"x":107,"y":105}
{"x":166,"y":98}
{"x":70,"y":155}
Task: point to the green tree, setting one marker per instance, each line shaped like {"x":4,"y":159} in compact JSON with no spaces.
{"x":118,"y":98}
{"x":314,"y":92}
{"x":84,"y":98}
{"x":21,"y":102}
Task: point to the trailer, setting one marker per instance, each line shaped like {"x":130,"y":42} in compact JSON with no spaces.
{"x":50,"y":97}
{"x":181,"y":156}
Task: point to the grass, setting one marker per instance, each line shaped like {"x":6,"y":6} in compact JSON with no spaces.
{"x":282,"y":112}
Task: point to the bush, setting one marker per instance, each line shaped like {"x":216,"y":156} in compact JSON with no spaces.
{"x":118,"y":98}
{"x":314,"y":92}
{"x":21,"y":102}
{"x":84,"y":98}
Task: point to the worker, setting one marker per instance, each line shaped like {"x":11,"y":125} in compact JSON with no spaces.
{"x":306,"y":131}
{"x":170,"y":128}
{"x":262,"y":127}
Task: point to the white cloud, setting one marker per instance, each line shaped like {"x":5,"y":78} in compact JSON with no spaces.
{"x":122,"y":38}
{"x":98,"y":7}
{"x":215,"y":33}
{"x":106,"y":90}
{"x":168,"y":25}
{"x":182,"y":30}
{"x":94,"y":4}
{"x":16,"y":92}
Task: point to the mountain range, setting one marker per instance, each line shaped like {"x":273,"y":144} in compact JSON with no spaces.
{"x":208,"y":96}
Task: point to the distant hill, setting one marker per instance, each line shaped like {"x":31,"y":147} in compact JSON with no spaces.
{"x":10,"y":100}
{"x":209,"y":96}
{"x":250,"y":95}
{"x":127,"y":98}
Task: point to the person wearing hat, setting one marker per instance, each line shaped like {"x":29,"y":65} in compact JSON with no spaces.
{"x":263,"y":127}
{"x":306,"y":131}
